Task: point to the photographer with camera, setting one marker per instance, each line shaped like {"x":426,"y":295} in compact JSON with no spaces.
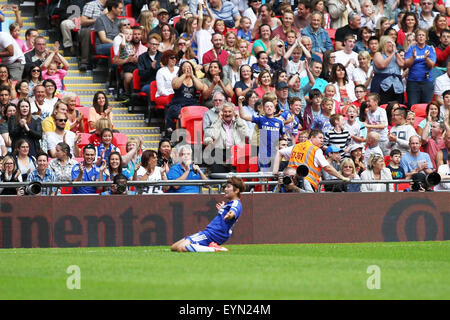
{"x":39,"y":175}
{"x":310,"y":154}
{"x":119,"y":186}
{"x":289,"y":181}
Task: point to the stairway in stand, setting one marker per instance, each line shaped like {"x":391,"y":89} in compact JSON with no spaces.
{"x":86,"y":84}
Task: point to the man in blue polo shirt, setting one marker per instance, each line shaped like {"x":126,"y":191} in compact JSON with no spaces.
{"x":86,"y":171}
{"x":185,"y":170}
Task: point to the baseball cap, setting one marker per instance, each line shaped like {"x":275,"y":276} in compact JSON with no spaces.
{"x":162,"y":10}
{"x":332,"y":148}
{"x":355,"y":146}
{"x":282,"y":85}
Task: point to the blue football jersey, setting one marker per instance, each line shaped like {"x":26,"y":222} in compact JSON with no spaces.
{"x":219,"y":230}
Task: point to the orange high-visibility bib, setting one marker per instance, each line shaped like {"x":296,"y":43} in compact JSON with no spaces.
{"x":304,"y":153}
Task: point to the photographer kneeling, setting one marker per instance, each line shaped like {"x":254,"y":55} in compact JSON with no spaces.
{"x":289,"y":182}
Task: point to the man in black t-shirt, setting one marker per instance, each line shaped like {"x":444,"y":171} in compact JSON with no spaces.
{"x":353,"y":26}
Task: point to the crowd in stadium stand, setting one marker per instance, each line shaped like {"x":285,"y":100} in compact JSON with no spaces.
{"x":363,"y":86}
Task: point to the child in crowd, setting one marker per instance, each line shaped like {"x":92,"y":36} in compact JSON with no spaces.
{"x":291,"y":119}
{"x":106,"y":147}
{"x":338,"y":137}
{"x":14,"y":29}
{"x":244,"y":31}
{"x":373,"y":138}
{"x":126,"y":49}
{"x":330,"y":92}
{"x":95,"y":138}
{"x":333,"y":155}
{"x":50,"y":68}
{"x":394,"y":165}
{"x":203,"y":36}
{"x":377,"y":121}
{"x":271,"y":130}
{"x":322,"y":121}
{"x":353,"y":126}
{"x":411,"y":118}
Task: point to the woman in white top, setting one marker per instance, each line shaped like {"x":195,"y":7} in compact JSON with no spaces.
{"x":364,"y":73}
{"x":376,"y":170}
{"x":345,"y":88}
{"x":149,"y":171}
{"x":252,"y":11}
{"x":164,"y":78}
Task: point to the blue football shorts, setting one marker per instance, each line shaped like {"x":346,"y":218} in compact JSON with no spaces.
{"x":199,"y":238}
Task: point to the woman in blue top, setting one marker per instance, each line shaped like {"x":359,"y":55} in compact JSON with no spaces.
{"x":420,"y":59}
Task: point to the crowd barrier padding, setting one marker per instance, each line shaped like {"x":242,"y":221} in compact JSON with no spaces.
{"x":90,"y":221}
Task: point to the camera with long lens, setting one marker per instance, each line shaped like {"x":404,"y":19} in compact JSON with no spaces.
{"x":32,"y":189}
{"x":302,"y":171}
{"x":421,"y":181}
{"x":121,"y":188}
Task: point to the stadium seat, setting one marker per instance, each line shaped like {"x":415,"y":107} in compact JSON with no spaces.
{"x":242,"y":159}
{"x":84,"y":141}
{"x":66,"y":190}
{"x":383,"y":106}
{"x":419,"y":109}
{"x":176,"y":20}
{"x":153,"y":89}
{"x":129,"y":10}
{"x":96,"y":56}
{"x":234,"y":30}
{"x":191,"y":118}
{"x":121,"y":139}
{"x":387,"y":159}
{"x":332,"y":35}
{"x":85,"y":111}
{"x":417,"y":121}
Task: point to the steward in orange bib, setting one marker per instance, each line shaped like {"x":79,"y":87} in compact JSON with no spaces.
{"x":310,"y":154}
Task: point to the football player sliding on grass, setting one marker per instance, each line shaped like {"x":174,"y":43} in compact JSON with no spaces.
{"x":220,"y":228}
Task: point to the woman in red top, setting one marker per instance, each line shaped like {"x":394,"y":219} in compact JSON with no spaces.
{"x":264,"y":82}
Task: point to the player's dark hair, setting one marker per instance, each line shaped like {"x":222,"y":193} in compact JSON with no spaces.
{"x":237,"y":183}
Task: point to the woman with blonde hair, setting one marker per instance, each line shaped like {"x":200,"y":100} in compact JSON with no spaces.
{"x":278,"y":51}
{"x":145,"y":19}
{"x":440,"y":23}
{"x":75,"y":118}
{"x":230,"y":44}
{"x":376,"y":170}
{"x":348,"y":170}
{"x":231,"y":70}
{"x":364,"y":73}
{"x":247,"y":58}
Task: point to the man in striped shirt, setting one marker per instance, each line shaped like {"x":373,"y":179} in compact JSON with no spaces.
{"x":338,"y":136}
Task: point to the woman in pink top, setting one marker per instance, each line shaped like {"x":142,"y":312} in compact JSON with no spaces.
{"x":14,"y":30}
{"x":50,"y":68}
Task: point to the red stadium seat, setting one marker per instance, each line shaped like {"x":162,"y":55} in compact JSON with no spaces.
{"x":66,"y":190}
{"x":332,"y":35}
{"x":85,"y":112}
{"x":387,"y":159}
{"x":95,"y":55}
{"x":84,"y":141}
{"x":129,"y":10}
{"x":383,"y":106}
{"x":233,"y":30}
{"x":137,"y":84}
{"x":153,"y":89}
{"x":417,"y":121}
{"x":121,"y":139}
{"x":419,"y":109}
{"x":242,"y":159}
{"x":176,"y":20}
{"x":191,"y":118}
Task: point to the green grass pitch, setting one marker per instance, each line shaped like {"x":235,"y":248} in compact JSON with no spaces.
{"x":407,"y":270}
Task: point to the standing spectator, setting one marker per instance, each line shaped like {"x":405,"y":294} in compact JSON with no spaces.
{"x":344,"y":16}
{"x":106,"y":28}
{"x":443,"y":49}
{"x":394,"y":165}
{"x":432,"y":114}
{"x":434,"y":142}
{"x":168,"y":37}
{"x":86,"y":171}
{"x":292,"y":119}
{"x":149,"y":63}
{"x":420,"y":59}
{"x":347,"y":56}
{"x":43,"y":174}
{"x":12,"y":56}
{"x":364,"y":73}
{"x":377,"y":120}
{"x":416,"y":161}
{"x":434,"y":33}
{"x":376,"y":170}
{"x":23,"y":126}
{"x":408,"y":25}
{"x":401,"y":132}
{"x":322,"y":121}
{"x":212,"y":114}
{"x":6,"y":113}
{"x":387,"y":79}
{"x":266,"y":16}
{"x":442,"y":155}
{"x":368,"y":16}
{"x":442,"y":84}
{"x":185,"y":169}
{"x":338,"y":136}
{"x":319,"y":37}
{"x":426,"y":15}
{"x":10,"y":173}
{"x":252,"y":11}
{"x":345,"y":88}
{"x":312,"y":109}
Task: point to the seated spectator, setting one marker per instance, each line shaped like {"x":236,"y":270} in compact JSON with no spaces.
{"x":133,"y":149}
{"x":168,"y":37}
{"x":164,"y":77}
{"x":23,"y":91}
{"x":263,"y":43}
{"x":212,"y":114}
{"x":35,"y":77}
{"x":443,"y":49}
{"x":319,"y":37}
{"x":106,"y":28}
{"x":101,"y":124}
{"x":442,"y":155}
{"x":442,"y":85}
{"x":303,"y":16}
{"x":7,"y":82}
{"x":23,"y":126}
{"x":6,"y":113}
{"x":420,"y":59}
{"x":228,"y":130}
{"x":444,"y":171}
{"x":215,"y":81}
{"x":50,"y":68}
{"x":374,"y":45}
{"x":276,"y":59}
{"x":426,"y":15}
{"x":30,"y":35}
{"x":86,"y":171}
{"x":5,"y":97}
{"x":316,"y":70}
{"x":50,"y":99}
{"x":372,"y":146}
{"x":282,"y":92}
{"x":185,"y":53}
{"x":433,"y":114}
{"x":60,"y":134}
{"x":264,"y":82}
{"x":401,"y":132}
{"x":49,"y":124}
{"x":343,"y":29}
{"x":347,"y":56}
{"x":357,"y":156}
{"x":416,"y":161}
{"x":345,"y":88}
{"x":376,"y":170}
{"x":266,"y":17}
{"x":12,"y":56}
{"x":329,"y":59}
{"x":348,"y":170}
{"x":216,"y":53}
{"x":14,"y":30}
{"x":62,"y":163}
{"x":231,"y":70}
{"x":244,"y":30}
{"x":106,"y":146}
{"x":394,"y":165}
{"x":37,"y":56}
{"x":226,"y":11}
{"x":364,"y":73}
{"x":100,"y":108}
{"x":185,"y":86}
{"x":287,"y":25}
{"x":76,"y":117}
{"x":433,"y":142}
{"x":246,"y":83}
{"x":368,"y":15}
{"x":360,"y":95}
{"x":185,"y":169}
{"x":149,"y":63}
{"x":230,"y":44}
{"x":312,"y":109}
{"x":299,"y":87}
{"x":43,"y":174}
{"x":112,"y":166}
{"x":163,"y":18}
{"x":165,"y":159}
{"x":262,"y":63}
{"x":247,"y":57}
{"x":334,"y":159}
{"x":330,"y":92}
{"x":10,"y":173}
